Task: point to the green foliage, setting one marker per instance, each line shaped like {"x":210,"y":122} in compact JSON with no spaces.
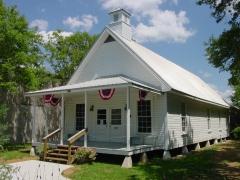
{"x":236,"y":133}
{"x":85,"y":155}
{"x":20,"y":52}
{"x":4,"y":136}
{"x":223,"y":8}
{"x":66,"y":53}
{"x":223,"y":51}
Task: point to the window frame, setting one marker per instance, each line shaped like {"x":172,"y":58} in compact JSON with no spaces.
{"x":209,"y":119}
{"x":103,"y":122}
{"x":184,"y":120}
{"x":144,"y":117}
{"x":111,"y":120}
{"x":79,"y":118}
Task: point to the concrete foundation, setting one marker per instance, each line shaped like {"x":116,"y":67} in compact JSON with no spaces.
{"x":33,"y":151}
{"x":144,"y":158}
{"x":127,"y":162}
{"x":166,"y":155}
{"x":197,"y":147}
{"x":207,"y":143}
{"x":184,"y":150}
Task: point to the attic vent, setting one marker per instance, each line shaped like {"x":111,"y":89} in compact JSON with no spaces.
{"x":109,"y":39}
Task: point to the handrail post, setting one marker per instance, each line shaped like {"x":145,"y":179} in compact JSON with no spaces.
{"x":69,"y":153}
{"x":45,"y":147}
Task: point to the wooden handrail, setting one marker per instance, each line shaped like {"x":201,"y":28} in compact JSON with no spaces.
{"x":52,"y":134}
{"x":45,"y":140}
{"x":76,"y":136}
{"x":72,"y":140}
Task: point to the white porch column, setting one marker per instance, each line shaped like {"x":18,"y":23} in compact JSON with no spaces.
{"x":62,"y":121}
{"x":85,"y":118}
{"x":34,"y":120}
{"x":32,"y":151}
{"x":128,"y":118}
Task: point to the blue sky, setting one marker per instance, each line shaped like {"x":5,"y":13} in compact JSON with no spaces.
{"x":175,"y":29}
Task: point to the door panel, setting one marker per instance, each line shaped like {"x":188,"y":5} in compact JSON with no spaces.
{"x":102,"y":130}
{"x":116,"y":125}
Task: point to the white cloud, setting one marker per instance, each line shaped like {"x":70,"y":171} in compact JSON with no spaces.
{"x":41,"y":24}
{"x":153,"y":23}
{"x":48,"y":34}
{"x":85,"y":23}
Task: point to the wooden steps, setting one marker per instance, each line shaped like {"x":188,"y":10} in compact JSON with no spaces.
{"x":60,"y":154}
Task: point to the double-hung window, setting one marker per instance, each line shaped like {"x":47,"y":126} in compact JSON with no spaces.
{"x":208,"y":119}
{"x":184,"y":118}
{"x":144,"y":116}
{"x":80,"y":116}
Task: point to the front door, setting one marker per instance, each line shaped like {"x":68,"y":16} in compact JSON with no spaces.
{"x":109,"y":125}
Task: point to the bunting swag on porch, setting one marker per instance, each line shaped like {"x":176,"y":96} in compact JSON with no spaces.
{"x":142,"y":95}
{"x":106,"y":94}
{"x":50,"y":99}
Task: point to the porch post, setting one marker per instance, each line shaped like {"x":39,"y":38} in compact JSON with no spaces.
{"x":33,"y":150}
{"x":34,"y":120}
{"x":85,"y":118}
{"x":128,"y":118}
{"x":62,"y":121}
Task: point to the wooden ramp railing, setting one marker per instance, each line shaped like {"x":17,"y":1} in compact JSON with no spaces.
{"x":46,"y":139}
{"x":71,"y":142}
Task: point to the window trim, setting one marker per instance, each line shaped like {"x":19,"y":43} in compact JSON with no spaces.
{"x":121,"y":118}
{"x":144,"y":116}
{"x":185,"y":117}
{"x":79,"y":116}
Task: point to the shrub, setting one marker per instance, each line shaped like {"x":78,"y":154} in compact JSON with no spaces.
{"x":236,"y":133}
{"x":85,"y":155}
{"x":4,"y":135}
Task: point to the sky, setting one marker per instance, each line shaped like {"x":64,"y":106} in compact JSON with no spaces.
{"x":175,"y":29}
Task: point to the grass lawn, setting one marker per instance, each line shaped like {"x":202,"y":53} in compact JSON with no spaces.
{"x":220,"y":161}
{"x":15,"y":153}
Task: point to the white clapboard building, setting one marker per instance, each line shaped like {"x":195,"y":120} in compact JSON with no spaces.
{"x":125,"y":99}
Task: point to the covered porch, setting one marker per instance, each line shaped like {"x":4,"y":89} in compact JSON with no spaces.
{"x":88,"y":121}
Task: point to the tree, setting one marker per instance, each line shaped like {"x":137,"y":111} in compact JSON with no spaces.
{"x":66,"y":53}
{"x":21,"y":63}
{"x":20,"y":53}
{"x":224,"y":51}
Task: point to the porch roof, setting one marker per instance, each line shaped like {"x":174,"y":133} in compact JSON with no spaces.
{"x":102,"y":83}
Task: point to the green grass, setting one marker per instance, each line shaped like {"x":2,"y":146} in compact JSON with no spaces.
{"x":209,"y":163}
{"x":14,"y":153}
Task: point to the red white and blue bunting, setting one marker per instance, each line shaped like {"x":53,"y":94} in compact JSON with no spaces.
{"x":50,"y":99}
{"x":142,"y":95}
{"x":106,"y":94}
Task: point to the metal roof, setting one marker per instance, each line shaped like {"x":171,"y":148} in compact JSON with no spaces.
{"x":107,"y":82}
{"x":175,"y":76}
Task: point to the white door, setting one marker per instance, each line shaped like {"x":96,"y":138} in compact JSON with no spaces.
{"x":109,"y":125}
{"x":102,"y":129}
{"x":116,"y":130}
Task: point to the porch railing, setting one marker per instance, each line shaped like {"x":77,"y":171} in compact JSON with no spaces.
{"x":46,"y":139}
{"x":71,"y":142}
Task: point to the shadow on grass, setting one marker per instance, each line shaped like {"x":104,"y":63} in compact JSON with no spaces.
{"x":192,"y":166}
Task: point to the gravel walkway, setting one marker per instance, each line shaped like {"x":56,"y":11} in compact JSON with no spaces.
{"x":38,"y":170}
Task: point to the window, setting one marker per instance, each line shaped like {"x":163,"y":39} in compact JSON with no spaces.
{"x":116,"y":116}
{"x":101,"y":117}
{"x":208,"y":119}
{"x":144,"y":116}
{"x":115,"y":17}
{"x":80,"y":115}
{"x":219,"y":119}
{"x":109,"y":39}
{"x":184,"y":117}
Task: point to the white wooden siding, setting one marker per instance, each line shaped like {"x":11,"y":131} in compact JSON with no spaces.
{"x":158,"y":112}
{"x":197,"y":121}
